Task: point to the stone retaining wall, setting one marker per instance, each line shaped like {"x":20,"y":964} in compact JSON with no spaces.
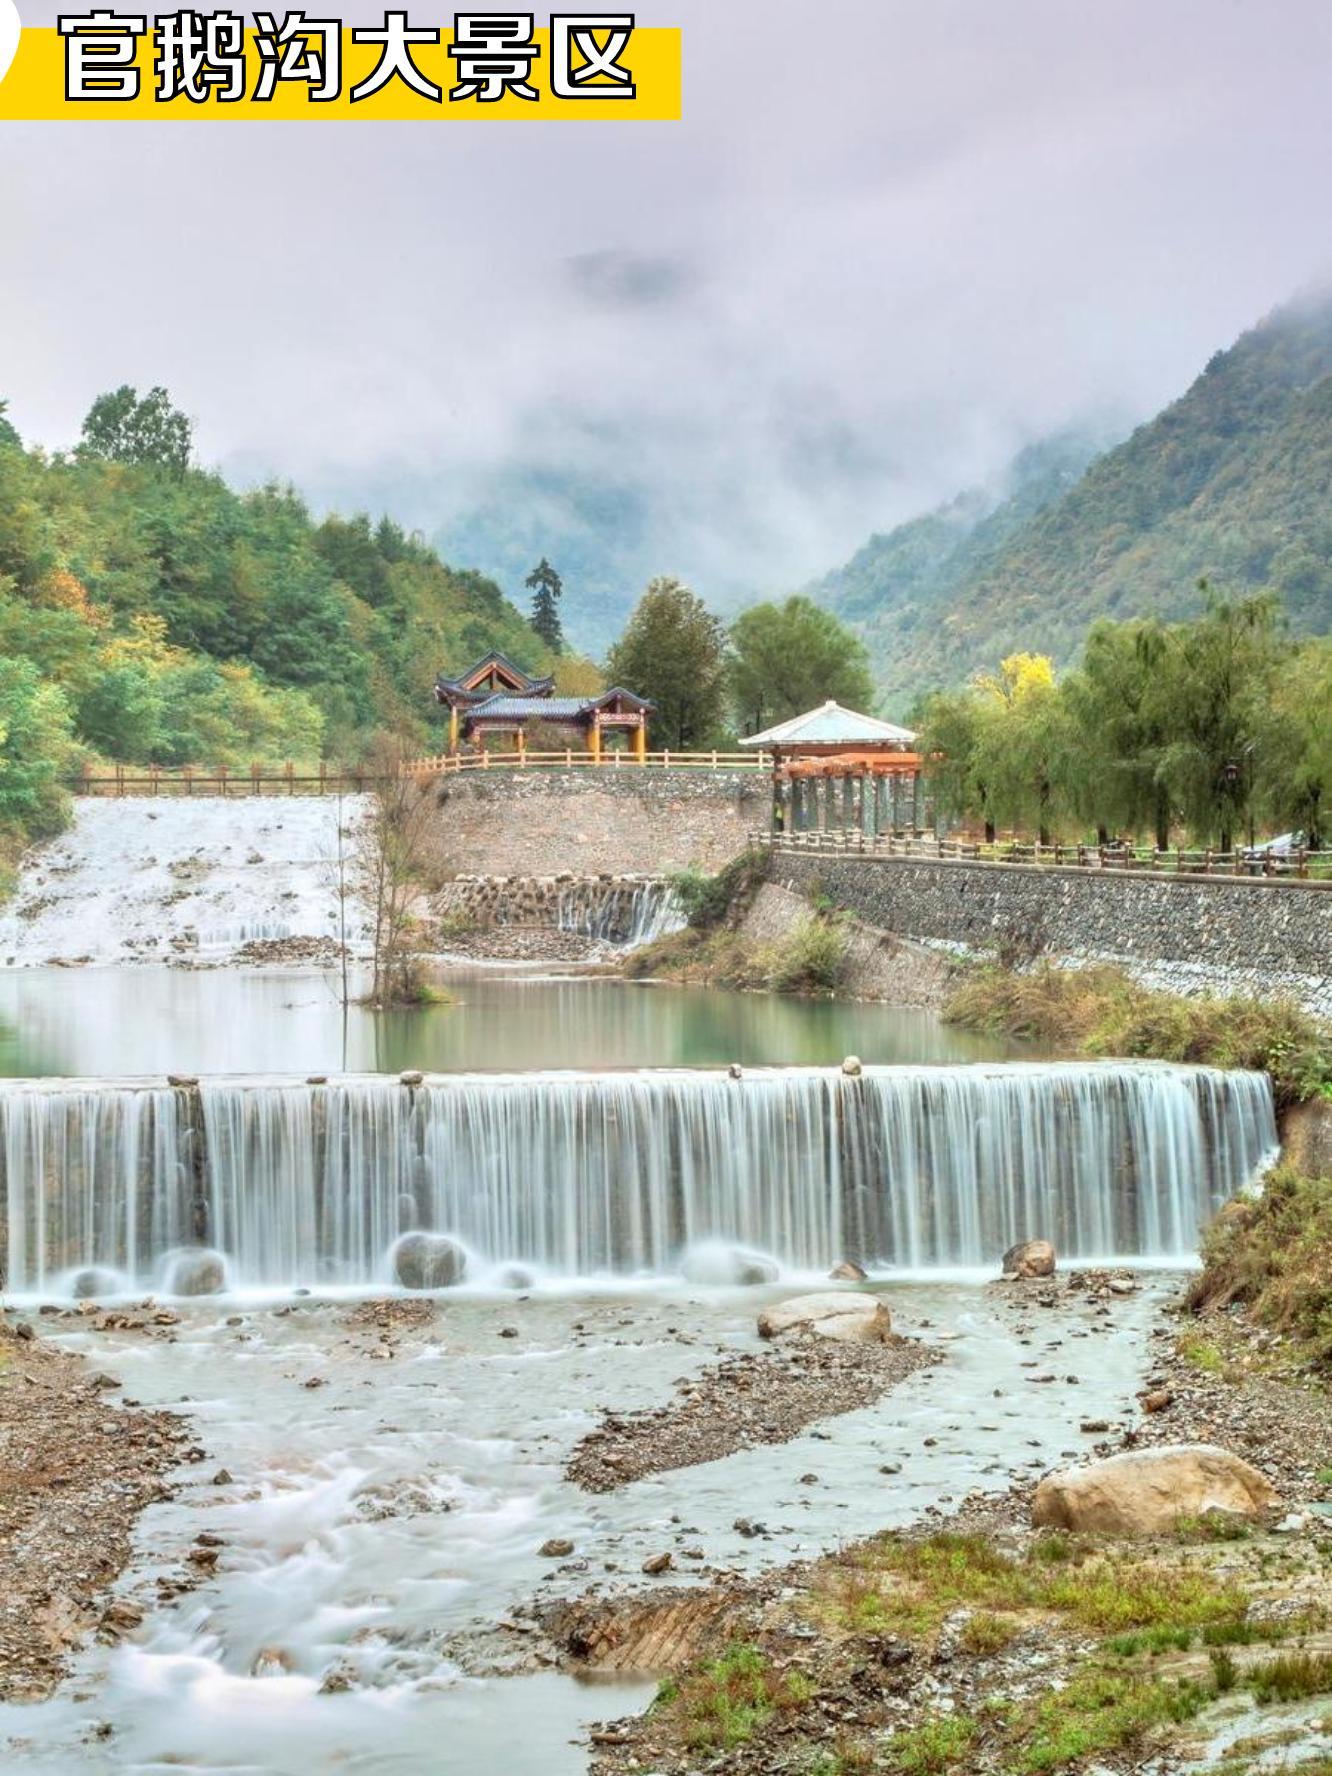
{"x":1186,"y":934}
{"x":540,"y":822}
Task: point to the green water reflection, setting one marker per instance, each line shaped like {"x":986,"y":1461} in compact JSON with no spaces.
{"x":124,"y":1022}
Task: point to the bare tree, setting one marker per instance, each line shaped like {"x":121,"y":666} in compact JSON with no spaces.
{"x":391,"y":863}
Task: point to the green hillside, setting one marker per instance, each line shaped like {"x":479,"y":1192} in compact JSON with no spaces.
{"x":152,"y":614}
{"x":900,"y":585}
{"x":1233,"y":482}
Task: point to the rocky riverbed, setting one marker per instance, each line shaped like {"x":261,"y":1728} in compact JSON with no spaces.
{"x":383,"y":1548}
{"x":976,"y":1643}
{"x":75,"y":1473}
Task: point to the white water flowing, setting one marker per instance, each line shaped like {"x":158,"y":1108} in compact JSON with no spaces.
{"x":627,"y":913}
{"x":621,"y":910}
{"x":162,"y":878}
{"x":587,"y":1174}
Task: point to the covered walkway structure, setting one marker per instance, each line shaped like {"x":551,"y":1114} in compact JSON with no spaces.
{"x":835,"y":770}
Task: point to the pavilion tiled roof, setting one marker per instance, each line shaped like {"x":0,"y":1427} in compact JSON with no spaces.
{"x":548,"y":709}
{"x":457,"y":690}
{"x":831,"y":725}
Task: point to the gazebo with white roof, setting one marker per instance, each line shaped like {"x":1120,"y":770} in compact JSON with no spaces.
{"x":836,"y":769}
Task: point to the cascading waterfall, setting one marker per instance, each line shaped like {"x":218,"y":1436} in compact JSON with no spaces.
{"x":628,"y":913}
{"x":617,"y":1173}
{"x":621,"y":910}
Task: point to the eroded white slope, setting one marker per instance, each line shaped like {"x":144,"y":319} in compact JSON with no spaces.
{"x":156,"y":879}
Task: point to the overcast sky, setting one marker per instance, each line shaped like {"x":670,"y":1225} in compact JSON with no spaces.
{"x":888,"y":244}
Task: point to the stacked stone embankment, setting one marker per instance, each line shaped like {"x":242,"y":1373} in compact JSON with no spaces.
{"x":1184,"y":934}
{"x":542,"y":821}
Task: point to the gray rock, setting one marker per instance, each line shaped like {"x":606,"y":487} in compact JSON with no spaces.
{"x":93,"y":1283}
{"x":197,"y":1272}
{"x":428,"y":1261}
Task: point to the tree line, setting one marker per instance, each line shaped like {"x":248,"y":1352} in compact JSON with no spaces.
{"x":1216,"y":728}
{"x":151,"y":614}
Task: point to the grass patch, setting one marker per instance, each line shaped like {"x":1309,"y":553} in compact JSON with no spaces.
{"x":986,"y":1632}
{"x":1201,"y":1353}
{"x":724,"y":1703}
{"x":1101,"y":1011}
{"x":708,"y":901}
{"x":1100,"y":1711}
{"x":452,"y":926}
{"x":811,"y":958}
{"x":1274,"y":1255}
{"x":931,"y":1748}
{"x":910,"y":1586}
{"x":1291,"y":1677}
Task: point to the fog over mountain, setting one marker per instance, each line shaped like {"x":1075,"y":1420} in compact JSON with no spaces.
{"x":726,"y":349}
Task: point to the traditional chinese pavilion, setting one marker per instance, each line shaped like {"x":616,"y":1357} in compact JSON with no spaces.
{"x":835,"y":769}
{"x":495,"y":697}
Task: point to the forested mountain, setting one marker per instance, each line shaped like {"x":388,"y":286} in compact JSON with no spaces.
{"x":1233,"y":483}
{"x":903,"y":581}
{"x":150,"y":613}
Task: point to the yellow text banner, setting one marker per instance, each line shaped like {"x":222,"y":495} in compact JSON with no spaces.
{"x":35,"y":87}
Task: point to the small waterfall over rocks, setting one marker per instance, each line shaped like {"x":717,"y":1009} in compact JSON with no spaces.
{"x":586,"y":1174}
{"x":176,"y":878}
{"x":622,"y":910}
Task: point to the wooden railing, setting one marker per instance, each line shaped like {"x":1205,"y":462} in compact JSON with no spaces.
{"x":1257,"y":864}
{"x":574,"y":758}
{"x":150,"y":780}
{"x":325,"y":779}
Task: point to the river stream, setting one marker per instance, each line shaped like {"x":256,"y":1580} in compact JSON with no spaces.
{"x":379,"y":1523}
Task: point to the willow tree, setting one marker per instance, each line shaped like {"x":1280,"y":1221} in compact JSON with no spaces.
{"x":951,"y":741}
{"x":1023,"y":741}
{"x":1118,"y":707}
{"x":1220,"y":672}
{"x":1297,"y":776}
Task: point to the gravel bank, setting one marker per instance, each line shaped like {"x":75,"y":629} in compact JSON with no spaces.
{"x":749,"y":1399}
{"x":76,"y":1469}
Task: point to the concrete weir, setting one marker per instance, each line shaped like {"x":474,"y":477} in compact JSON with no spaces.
{"x":584,"y":1174}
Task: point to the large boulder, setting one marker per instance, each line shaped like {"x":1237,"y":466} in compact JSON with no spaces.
{"x":197,"y":1271}
{"x":1146,"y":1492}
{"x":428,"y":1261}
{"x":728,"y":1266}
{"x":94,"y":1283}
{"x":1029,"y":1258}
{"x":849,"y":1317}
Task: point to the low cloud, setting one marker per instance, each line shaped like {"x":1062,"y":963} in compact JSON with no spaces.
{"x":888,"y":246}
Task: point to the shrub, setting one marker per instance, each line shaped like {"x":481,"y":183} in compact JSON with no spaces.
{"x":1100,"y":1011}
{"x":1274,"y":1255}
{"x":810,"y":959}
{"x":707,"y":900}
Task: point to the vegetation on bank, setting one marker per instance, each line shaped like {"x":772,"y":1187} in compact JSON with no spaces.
{"x":1210,"y":727}
{"x":811,"y":958}
{"x":1101,"y":1011}
{"x":1272,"y":1254}
{"x":1141,"y":1639}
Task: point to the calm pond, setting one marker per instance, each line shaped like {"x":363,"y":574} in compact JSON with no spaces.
{"x":119,"y":1022}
